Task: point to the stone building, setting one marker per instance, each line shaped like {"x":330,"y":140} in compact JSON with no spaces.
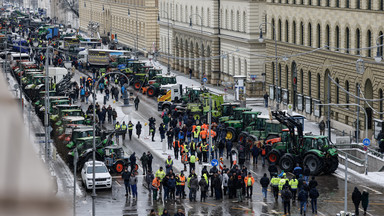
{"x":338,"y":29}
{"x":133,"y":21}
{"x":215,"y":39}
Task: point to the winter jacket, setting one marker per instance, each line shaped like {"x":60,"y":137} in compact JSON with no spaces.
{"x":356,"y":196}
{"x":194,"y":183}
{"x":314,"y":193}
{"x":365,"y":199}
{"x":133,"y":180}
{"x":303,"y":196}
{"x":312,"y":184}
{"x":255,"y":151}
{"x":172,"y":183}
{"x":216,"y":183}
{"x":203,"y":184}
{"x":126,"y":176}
{"x":264,"y":181}
{"x":144,"y":159}
{"x":286,"y":195}
{"x":225,"y":180}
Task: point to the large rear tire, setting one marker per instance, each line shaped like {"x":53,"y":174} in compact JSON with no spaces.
{"x":273,"y":156}
{"x":118,"y":167}
{"x":137,"y":85}
{"x":151,"y":92}
{"x":331,"y":165}
{"x":287,"y":163}
{"x":314,"y":164}
{"x":231,"y":134}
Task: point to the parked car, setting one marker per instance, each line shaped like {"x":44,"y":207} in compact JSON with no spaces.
{"x":102,"y":177}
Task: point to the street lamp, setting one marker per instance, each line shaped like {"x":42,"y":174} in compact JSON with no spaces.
{"x":137,"y":35}
{"x":378,"y":56}
{"x":201,"y":37}
{"x":261,"y":40}
{"x":158,"y":20}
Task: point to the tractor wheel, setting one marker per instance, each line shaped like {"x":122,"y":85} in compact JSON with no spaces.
{"x":287,"y":163}
{"x":151,"y":91}
{"x":137,"y":85}
{"x":118,"y":167}
{"x":167,"y":107}
{"x":271,"y":136}
{"x":273,"y":156}
{"x":242,"y":137}
{"x":332,"y":165}
{"x":231,"y":134}
{"x":314,"y":164}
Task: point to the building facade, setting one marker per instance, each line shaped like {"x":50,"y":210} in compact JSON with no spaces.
{"x":215,"y":39}
{"x":134,"y":22}
{"x":326,"y":48}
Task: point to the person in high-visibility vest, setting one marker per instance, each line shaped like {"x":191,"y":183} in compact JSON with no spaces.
{"x":160,"y":174}
{"x":294,"y":183}
{"x":192,"y":161}
{"x":196,"y":134}
{"x":203,"y":135}
{"x":117,"y":130}
{"x":282,"y":181}
{"x":204,"y":150}
{"x":168,"y":164}
{"x":123,"y":130}
{"x":275,"y":186}
{"x":249,"y":181}
{"x":184,"y":160}
{"x":176,"y":146}
{"x":130,"y":130}
{"x":155,"y":187}
{"x":182,"y":178}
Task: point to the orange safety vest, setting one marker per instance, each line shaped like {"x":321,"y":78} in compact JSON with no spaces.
{"x":193,"y":128}
{"x":156,"y":183}
{"x":204,"y":126}
{"x":178,"y":144}
{"x":246,"y":180}
{"x":184,"y":158}
{"x":203,"y":134}
{"x":182,"y":180}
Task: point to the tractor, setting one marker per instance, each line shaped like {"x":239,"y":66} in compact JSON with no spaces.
{"x":116,"y":159}
{"x":235,"y":115}
{"x":235,"y":127}
{"x":152,"y":87}
{"x":294,"y":148}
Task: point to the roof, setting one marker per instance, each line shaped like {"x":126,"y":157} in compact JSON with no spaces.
{"x":114,"y":147}
{"x":73,"y":118}
{"x":88,"y":138}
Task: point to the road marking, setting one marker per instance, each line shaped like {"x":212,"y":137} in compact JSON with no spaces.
{"x":188,"y":206}
{"x":366,"y":212}
{"x":118,"y":183}
{"x":377,"y":192}
{"x":320,"y":213}
{"x":208,"y":204}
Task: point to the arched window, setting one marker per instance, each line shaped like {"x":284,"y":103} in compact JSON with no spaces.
{"x":286,"y":31}
{"x":381,"y":41}
{"x":294,"y":32}
{"x":309,"y":34}
{"x":347,"y":95}
{"x":286,"y":77}
{"x":318,"y":86}
{"x":318,"y":2}
{"x":238,"y":67}
{"x":238,"y":20}
{"x":327,"y":35}
{"x":232,"y":21}
{"x":381,"y":7}
{"x":309,"y":2}
{"x":279,"y":30}
{"x":381,"y":103}
{"x":226,"y":19}
{"x":302,"y":33}
{"x":202,"y":16}
{"x":309,"y":84}
{"x":347,"y":3}
{"x":279,"y":75}
{"x":337,"y":91}
{"x":328,"y":4}
{"x":318,"y":36}
{"x":245,"y":22}
{"x":347,"y":40}
{"x":369,"y":43}
{"x":358,"y":4}
{"x":358,"y":41}
{"x":337,"y":3}
{"x":273,"y":73}
{"x":208,"y":18}
{"x":369,"y":6}
{"x":272,"y":29}
{"x":337,"y":38}
{"x":302,"y":81}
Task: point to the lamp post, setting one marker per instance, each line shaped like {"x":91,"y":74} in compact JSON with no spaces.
{"x":47,"y":106}
{"x":94,"y":138}
{"x":137,"y":35}
{"x":261,"y":40}
{"x":201,"y":37}
{"x":378,"y":56}
{"x":158,"y":20}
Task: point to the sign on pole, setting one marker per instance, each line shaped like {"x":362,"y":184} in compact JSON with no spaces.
{"x":214,"y":162}
{"x":366,"y":142}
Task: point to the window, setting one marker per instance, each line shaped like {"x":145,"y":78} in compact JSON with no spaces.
{"x":302,"y":33}
{"x":309,"y":34}
{"x":309,"y":2}
{"x":245,"y":22}
{"x":369,"y":6}
{"x":280,"y":75}
{"x":337,"y":3}
{"x":347,"y":40}
{"x":347,"y":3}
{"x":381,"y":41}
{"x":302,"y":2}
{"x":232,"y":21}
{"x":226,"y":19}
{"x":381,"y":7}
{"x":286,"y":77}
{"x":309,"y":84}
{"x":209,"y":18}
{"x":279,"y":30}
{"x":328,"y":4}
{"x":238,"y":67}
{"x":337,"y":91}
{"x":294,"y":32}
{"x":318,"y":2}
{"x":202,"y":16}
{"x":327,"y":36}
{"x":301,"y":81}
{"x":369,"y":43}
{"x":381,"y":103}
{"x":358,"y":41}
{"x":233,"y":65}
{"x":272,"y":29}
{"x":286,"y":31}
{"x":337,"y":38}
{"x":273,"y":73}
{"x":318,"y":36}
{"x":358,"y":4}
{"x":318,"y":86}
{"x":346,"y":94}
{"x":238,"y":20}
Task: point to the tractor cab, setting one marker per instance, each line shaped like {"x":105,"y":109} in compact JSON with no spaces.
{"x":76,"y":133}
{"x":115,"y":158}
{"x":227,"y":108}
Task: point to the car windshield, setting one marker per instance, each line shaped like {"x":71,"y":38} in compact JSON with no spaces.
{"x":98,"y":169}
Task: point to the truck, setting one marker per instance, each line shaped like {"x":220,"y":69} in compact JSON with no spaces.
{"x":99,"y":57}
{"x":57,"y":73}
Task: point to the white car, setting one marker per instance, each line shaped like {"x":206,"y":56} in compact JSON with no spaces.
{"x":102,"y":177}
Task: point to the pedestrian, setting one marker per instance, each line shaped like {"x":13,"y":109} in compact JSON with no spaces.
{"x":192,"y":161}
{"x":144,"y":162}
{"x":356,"y":199}
{"x":238,"y":185}
{"x":130,"y":130}
{"x":303,"y":198}
{"x":322,"y":128}
{"x":190,"y":73}
{"x":150,"y":158}
{"x":138,"y":129}
{"x":160,"y":174}
{"x":162,"y":131}
{"x":86,"y":96}
{"x":117,"y":131}
{"x":176,"y":146}
{"x":123,"y":130}
{"x":225,"y":181}
{"x":249,"y":181}
{"x":294,"y":183}
{"x":149,"y":178}
{"x":266,"y":96}
{"x":255,"y":154}
{"x":109,"y":113}
{"x":165,"y":213}
{"x":170,"y":139}
{"x":217,"y":184}
{"x":137,"y":101}
{"x":275,"y":186}
{"x":203,"y":189}
{"x":193,"y":185}
{"x":152,"y":130}
{"x":365,"y":201}
{"x":132,"y":160}
{"x":306,"y":173}
{"x":181,"y":185}
{"x":126,"y":176}
{"x":164,"y":183}
{"x":312,"y":183}
{"x":264,"y":182}
{"x":212,"y":172}
{"x":133,"y":183}
{"x":314,"y":194}
{"x":172,"y":187}
{"x":263,"y":155}
{"x":114,"y":116}
{"x":286,"y":196}
{"x":107,"y":93}
{"x":168,"y":164}
{"x":155,"y":187}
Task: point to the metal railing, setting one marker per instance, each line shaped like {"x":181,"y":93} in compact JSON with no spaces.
{"x":370,"y":150}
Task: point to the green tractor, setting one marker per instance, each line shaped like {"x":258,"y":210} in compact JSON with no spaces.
{"x":116,"y":159}
{"x":293,"y":147}
{"x":235,"y":127}
{"x":237,"y":114}
{"x":200,"y":110}
{"x":228,"y":110}
{"x":141,"y":78}
{"x":152,"y":87}
{"x":59,"y":111}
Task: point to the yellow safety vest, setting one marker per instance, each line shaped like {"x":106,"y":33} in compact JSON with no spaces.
{"x":275,"y":182}
{"x":196,"y":134}
{"x":160,"y":174}
{"x":294,"y":183}
{"x":117,"y":127}
{"x":282,"y":183}
{"x":192,"y":159}
{"x":123,"y":127}
{"x":130,"y":126}
{"x":169,"y":162}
